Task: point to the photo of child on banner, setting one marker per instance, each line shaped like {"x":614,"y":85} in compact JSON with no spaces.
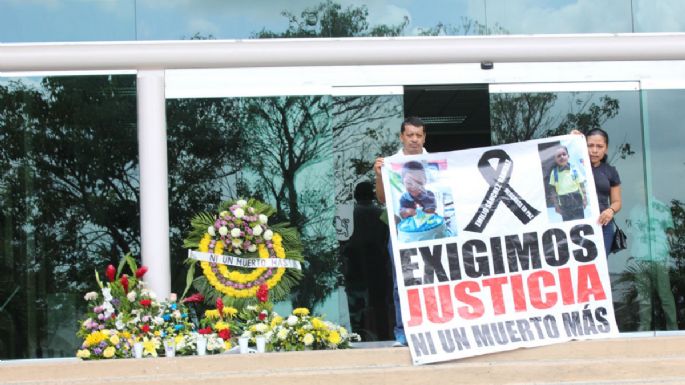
{"x":424,"y":205}
{"x":564,"y":180}
{"x":498,"y":248}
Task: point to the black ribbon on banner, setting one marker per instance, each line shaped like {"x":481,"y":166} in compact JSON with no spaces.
{"x":499,"y":191}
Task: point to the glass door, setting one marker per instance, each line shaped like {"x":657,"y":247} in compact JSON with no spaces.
{"x":535,"y":110}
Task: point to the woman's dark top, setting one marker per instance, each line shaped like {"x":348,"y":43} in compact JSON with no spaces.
{"x":606,"y":177}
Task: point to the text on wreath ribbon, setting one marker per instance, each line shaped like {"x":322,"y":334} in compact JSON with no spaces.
{"x":252,"y":263}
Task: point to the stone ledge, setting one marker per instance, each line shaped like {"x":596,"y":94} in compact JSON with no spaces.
{"x":617,"y":361}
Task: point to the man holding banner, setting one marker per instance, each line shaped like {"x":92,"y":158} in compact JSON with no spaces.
{"x":490,"y":268}
{"x":412,"y":137}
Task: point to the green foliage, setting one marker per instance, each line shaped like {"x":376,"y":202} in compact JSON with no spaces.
{"x":329,"y":19}
{"x":520,"y":117}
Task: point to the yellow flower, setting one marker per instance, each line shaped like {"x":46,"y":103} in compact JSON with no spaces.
{"x":334,"y":338}
{"x":114,"y":339}
{"x":230,"y":311}
{"x":212,"y":314}
{"x":94,"y":338}
{"x":221,"y":325}
{"x":178,"y":340}
{"x":109,"y":352}
{"x":157,"y":333}
{"x":318,"y":324}
{"x":227,"y":345}
{"x":126,"y":335}
{"x":308,"y":339}
{"x":277,"y":320}
{"x":85,"y":353}
{"x":149,"y":348}
{"x":301,"y":311}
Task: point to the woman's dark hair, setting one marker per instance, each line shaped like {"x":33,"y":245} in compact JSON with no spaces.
{"x":599,"y":131}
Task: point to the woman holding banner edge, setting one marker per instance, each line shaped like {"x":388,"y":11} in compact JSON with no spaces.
{"x":607,"y":182}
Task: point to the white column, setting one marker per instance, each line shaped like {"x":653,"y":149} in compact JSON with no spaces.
{"x":154,"y":200}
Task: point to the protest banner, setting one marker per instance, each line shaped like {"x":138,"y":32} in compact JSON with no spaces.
{"x":498,"y":248}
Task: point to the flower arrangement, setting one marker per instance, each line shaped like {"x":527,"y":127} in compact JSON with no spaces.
{"x":301,"y":331}
{"x":105,"y":343}
{"x":242,"y":228}
{"x":124,"y":311}
{"x":219,"y":327}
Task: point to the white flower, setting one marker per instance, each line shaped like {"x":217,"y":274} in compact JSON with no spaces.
{"x":237,"y":251}
{"x":292,"y":320}
{"x":87,"y":322}
{"x":308,"y":339}
{"x":252,"y":248}
{"x":239,"y":213}
{"x":158,"y":320}
{"x":268,"y":234}
{"x":236,"y":242}
{"x":109,"y":310}
{"x":261,"y":328}
{"x":235,"y":233}
{"x":173,"y":297}
{"x":119,"y":324}
{"x":176,"y":314}
{"x":251,"y":307}
{"x":241,"y":203}
{"x":282,"y":334}
{"x":263,"y":219}
{"x":223,"y":230}
{"x":210,"y":231}
{"x":131,"y":296}
{"x":91,"y":295}
{"x":107,"y":294}
{"x":257,"y":230}
{"x":247,"y":334}
{"x":223,"y":213}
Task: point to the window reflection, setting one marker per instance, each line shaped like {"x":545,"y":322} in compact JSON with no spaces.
{"x":69,"y":199}
{"x":517,"y":117}
{"x":667,"y":243}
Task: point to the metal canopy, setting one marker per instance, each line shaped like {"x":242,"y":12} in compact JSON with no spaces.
{"x":189,"y":54}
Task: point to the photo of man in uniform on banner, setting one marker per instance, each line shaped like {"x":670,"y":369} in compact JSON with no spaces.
{"x":423,"y":203}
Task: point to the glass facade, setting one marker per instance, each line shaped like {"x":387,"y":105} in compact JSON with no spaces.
{"x":69,"y":199}
{"x":69,"y":188}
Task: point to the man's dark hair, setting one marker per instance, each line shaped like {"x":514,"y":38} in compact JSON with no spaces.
{"x":414,"y":121}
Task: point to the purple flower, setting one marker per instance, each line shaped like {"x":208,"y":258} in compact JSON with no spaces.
{"x":103,"y":344}
{"x":101,"y":317}
{"x":115,"y":301}
{"x":97,"y":351}
{"x":101,"y":327}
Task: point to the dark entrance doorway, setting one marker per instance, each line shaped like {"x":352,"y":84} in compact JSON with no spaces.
{"x":457,"y":116}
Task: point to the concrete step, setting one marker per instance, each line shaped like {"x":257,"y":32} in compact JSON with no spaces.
{"x":652,"y":360}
